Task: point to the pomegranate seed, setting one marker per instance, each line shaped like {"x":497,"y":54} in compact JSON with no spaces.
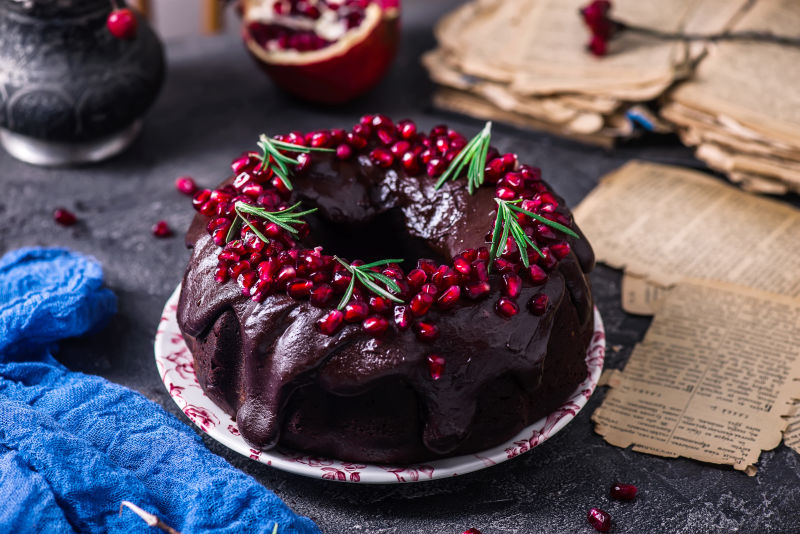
{"x":303,"y":163}
{"x":382,"y":157}
{"x":330,"y":322}
{"x":505,"y":193}
{"x":538,"y":275}
{"x":321,"y":295}
{"x":344,"y":151}
{"x":507,"y":307}
{"x":429,"y":266}
{"x":407,"y":129}
{"x":560,"y":250}
{"x":340,"y":281}
{"x":470,"y":254}
{"x":299,"y":288}
{"x":599,"y":519}
{"x":356,"y":141}
{"x":386,"y":137}
{"x":221,"y":274}
{"x":402,"y":317}
{"x":435,"y":366}
{"x":379,"y":304}
{"x":375,"y":325}
{"x":285,"y":275}
{"x":471,"y":531}
{"x":383,"y":122}
{"x":480,"y":271}
{"x":426,"y":331}
{"x":538,"y":304}
{"x":436,"y":167}
{"x":242,"y":163}
{"x":266,"y":269}
{"x":549,"y":259}
{"x":439,"y":129}
{"x":186,"y":185}
{"x":238,"y":269}
{"x":410,"y":163}
{"x":416,"y":277}
{"x":319,"y":139}
{"x":200,"y":198}
{"x":64,"y":217}
{"x":477,"y":290}
{"x":425,"y":156}
{"x":430,"y":289}
{"x":530,"y":173}
{"x":161,"y":229}
{"x":356,"y":311}
{"x":512,"y":284}
{"x":512,"y":180}
{"x":509,"y":161}
{"x":623,"y":492}
{"x":421,"y":303}
{"x":122,"y":23}
{"x":260,"y":290}
{"x":400,"y":148}
{"x":449,"y":297}
{"x":462,"y":265}
{"x":247,"y":281}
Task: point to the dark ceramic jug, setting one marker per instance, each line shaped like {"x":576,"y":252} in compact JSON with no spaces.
{"x":70,"y":92}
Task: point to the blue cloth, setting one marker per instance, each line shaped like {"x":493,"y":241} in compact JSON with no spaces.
{"x":73,"y":446}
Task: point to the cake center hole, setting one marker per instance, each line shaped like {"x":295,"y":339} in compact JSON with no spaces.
{"x":382,"y":238}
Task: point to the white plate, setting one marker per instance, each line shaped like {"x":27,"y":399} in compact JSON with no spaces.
{"x":176,"y":369}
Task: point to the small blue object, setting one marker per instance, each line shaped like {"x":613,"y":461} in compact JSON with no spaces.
{"x":74,"y":446}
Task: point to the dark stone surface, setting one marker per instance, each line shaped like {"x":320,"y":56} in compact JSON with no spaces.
{"x":214,"y":105}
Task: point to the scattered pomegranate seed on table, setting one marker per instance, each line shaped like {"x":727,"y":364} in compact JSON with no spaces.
{"x":623,"y":492}
{"x":162,"y":229}
{"x":122,"y":23}
{"x":64,"y":217}
{"x":186,"y":185}
{"x":599,"y":519}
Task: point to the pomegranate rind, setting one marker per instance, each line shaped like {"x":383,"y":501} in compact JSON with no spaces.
{"x":339,"y":72}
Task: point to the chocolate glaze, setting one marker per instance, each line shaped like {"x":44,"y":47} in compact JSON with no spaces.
{"x":364,"y":399}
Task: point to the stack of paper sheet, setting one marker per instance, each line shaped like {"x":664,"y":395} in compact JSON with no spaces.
{"x":525,"y":62}
{"x":741,"y":108}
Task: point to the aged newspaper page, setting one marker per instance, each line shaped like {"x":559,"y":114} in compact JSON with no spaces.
{"x":713,"y":378}
{"x":667,"y":223}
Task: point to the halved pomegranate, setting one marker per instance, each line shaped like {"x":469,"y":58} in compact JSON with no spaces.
{"x":327,"y":51}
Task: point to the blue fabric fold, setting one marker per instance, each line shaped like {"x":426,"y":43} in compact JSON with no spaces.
{"x":74,"y":446}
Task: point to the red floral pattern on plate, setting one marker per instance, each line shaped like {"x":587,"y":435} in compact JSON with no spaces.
{"x":176,"y":368}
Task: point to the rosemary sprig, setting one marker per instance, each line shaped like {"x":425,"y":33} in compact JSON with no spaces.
{"x":507,"y":223}
{"x":272,"y":157}
{"x":473,"y":157}
{"x":285,"y":219}
{"x":368,"y":277}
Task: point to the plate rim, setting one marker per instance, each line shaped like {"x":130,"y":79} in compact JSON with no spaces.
{"x":175,"y":367}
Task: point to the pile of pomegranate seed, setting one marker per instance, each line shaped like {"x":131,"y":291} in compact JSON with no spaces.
{"x":64,"y":217}
{"x":284,"y":265}
{"x":292,"y":24}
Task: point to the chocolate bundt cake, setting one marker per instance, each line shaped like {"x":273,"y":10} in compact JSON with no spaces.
{"x":466,"y":317}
